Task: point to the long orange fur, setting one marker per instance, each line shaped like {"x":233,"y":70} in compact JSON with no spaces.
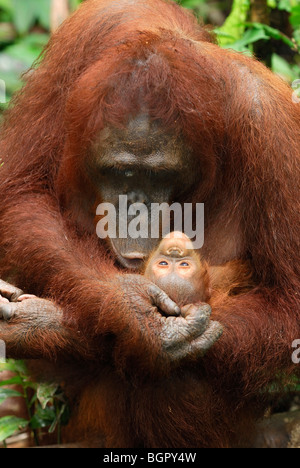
{"x":242,"y":126}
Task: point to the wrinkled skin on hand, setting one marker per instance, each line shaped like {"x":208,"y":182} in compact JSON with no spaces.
{"x":182,"y":333}
{"x":8,"y":293}
{"x":26,"y":319}
{"x":192,"y":334}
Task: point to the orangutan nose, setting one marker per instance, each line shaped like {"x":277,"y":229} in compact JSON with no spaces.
{"x":175,"y":252}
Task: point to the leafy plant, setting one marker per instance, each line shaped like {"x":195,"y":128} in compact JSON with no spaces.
{"x":24,"y":31}
{"x":235,"y":24}
{"x":240,"y":34}
{"x":46,"y":405}
{"x":25,"y":14}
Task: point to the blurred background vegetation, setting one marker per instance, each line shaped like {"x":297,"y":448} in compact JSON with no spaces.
{"x":270,"y":29}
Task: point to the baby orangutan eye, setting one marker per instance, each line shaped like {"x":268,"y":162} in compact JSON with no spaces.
{"x":163,"y":263}
{"x":184,"y":264}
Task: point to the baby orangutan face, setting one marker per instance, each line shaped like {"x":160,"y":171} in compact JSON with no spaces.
{"x":177,"y":269}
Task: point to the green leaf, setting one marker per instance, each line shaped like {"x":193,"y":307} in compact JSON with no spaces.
{"x":13,"y":381}
{"x":272,"y":33}
{"x":276,"y":34}
{"x":26,"y":12}
{"x":297,"y":37}
{"x":28,"y":50}
{"x":250,"y":36}
{"x":45,"y":393}
{"x":8,"y":393}
{"x":234,"y":25}
{"x":282,"y":68}
{"x":23,"y":14}
{"x":10,"y":72}
{"x":223,"y":34}
{"x":9,"y":425}
{"x":6,"y":6}
{"x":58,"y":418}
{"x":42,"y":11}
{"x":74,"y":4}
{"x":21,"y":367}
{"x":191,"y":3}
{"x":9,"y":364}
{"x":33,"y":400}
{"x":285,"y":5}
{"x":42,"y":417}
{"x":295,"y":17}
{"x":254,"y":35}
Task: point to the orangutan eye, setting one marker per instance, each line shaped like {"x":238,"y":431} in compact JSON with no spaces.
{"x":184,"y":264}
{"x":163,"y":263}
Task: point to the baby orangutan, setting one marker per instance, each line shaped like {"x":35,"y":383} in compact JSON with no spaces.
{"x":179,"y":271}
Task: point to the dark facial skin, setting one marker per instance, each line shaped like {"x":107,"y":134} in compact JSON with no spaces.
{"x":177,"y":270}
{"x":149,"y":166}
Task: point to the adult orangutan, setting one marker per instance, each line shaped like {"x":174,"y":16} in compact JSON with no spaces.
{"x":134,"y":98}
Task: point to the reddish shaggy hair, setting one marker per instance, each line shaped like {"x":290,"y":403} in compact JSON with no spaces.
{"x":109,"y":60}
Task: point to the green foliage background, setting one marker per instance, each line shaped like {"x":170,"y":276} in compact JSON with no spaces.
{"x":24,"y":31}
